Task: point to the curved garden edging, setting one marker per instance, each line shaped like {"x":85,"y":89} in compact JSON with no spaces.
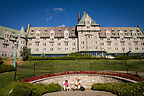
{"x":121,"y":76}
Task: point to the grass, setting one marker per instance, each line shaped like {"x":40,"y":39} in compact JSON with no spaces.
{"x":49,"y":66}
{"x":6,"y":84}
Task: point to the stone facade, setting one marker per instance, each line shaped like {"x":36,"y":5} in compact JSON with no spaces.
{"x":87,"y":37}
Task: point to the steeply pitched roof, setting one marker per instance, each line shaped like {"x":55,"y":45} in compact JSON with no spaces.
{"x":22,"y":32}
{"x":82,"y":20}
{"x":14,"y":33}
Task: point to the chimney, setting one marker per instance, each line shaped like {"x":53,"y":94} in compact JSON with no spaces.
{"x":78,"y":17}
{"x":28,"y":28}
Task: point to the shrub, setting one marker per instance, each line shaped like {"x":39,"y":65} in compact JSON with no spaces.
{"x":121,"y":89}
{"x":125,"y":57}
{"x":6,"y":68}
{"x":27,"y":89}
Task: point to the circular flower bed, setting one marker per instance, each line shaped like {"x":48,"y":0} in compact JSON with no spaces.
{"x":123,"y":75}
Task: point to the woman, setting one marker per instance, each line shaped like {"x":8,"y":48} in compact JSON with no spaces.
{"x":66,"y":85}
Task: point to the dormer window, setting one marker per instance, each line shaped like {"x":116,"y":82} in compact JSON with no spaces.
{"x":88,"y":26}
{"x":87,"y":22}
{"x":112,"y":30}
{"x":32,"y":30}
{"x":137,"y":30}
{"x":125,"y":30}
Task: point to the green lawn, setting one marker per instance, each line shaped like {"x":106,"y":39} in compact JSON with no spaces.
{"x":50,"y":66}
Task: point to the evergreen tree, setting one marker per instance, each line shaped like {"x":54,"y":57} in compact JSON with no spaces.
{"x":25,"y":53}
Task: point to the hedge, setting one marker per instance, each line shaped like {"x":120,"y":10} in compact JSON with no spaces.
{"x":121,"y":89}
{"x":63,"y":58}
{"x":28,"y":89}
{"x":125,"y":57}
{"x":6,"y":68}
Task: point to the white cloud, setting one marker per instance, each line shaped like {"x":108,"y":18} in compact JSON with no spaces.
{"x":63,"y":25}
{"x":59,"y":9}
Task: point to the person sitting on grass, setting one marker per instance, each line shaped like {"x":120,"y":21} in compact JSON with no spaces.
{"x":66,"y":86}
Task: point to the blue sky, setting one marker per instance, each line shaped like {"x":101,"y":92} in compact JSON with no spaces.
{"x":51,"y":13}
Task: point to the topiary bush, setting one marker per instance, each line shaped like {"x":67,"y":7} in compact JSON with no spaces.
{"x":6,"y":68}
{"x":28,"y":89}
{"x":121,"y":89}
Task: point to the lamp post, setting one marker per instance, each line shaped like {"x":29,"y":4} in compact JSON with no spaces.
{"x":16,"y":46}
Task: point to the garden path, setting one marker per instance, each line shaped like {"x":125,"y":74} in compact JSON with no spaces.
{"x":80,"y":93}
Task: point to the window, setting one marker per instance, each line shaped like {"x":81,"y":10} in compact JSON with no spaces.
{"x":102,"y":44}
{"x":109,"y":44}
{"x":30,"y":44}
{"x":96,"y":47}
{"x":66,"y":38}
{"x":38,"y":34}
{"x":44,"y":49}
{"x":73,"y":38}
{"x":112,"y":30}
{"x":115,"y":38}
{"x":116,"y":48}
{"x":51,"y":44}
{"x":58,"y":48}
{"x":44,"y":44}
{"x":101,"y":38}
{"x":37,"y":49}
{"x":73,"y":49}
{"x":109,"y":48}
{"x":88,"y":26}
{"x":143,"y":48}
{"x":108,"y":38}
{"x":32,"y":30}
{"x":142,"y":43}
{"x":66,"y":44}
{"x":66,"y":49}
{"x":137,"y":30}
{"x":45,"y":30}
{"x":129,"y":43}
{"x":125,"y":30}
{"x":136,"y":48}
{"x":73,"y":44}
{"x":66,"y":34}
{"x":51,"y":49}
{"x":130,"y":48}
{"x":88,"y":22}
{"x":82,"y":42}
{"x":58,"y":44}
{"x":37,"y":44}
{"x":122,"y":44}
{"x":59,"y":38}
{"x":52,"y":34}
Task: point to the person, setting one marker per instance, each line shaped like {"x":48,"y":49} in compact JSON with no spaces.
{"x":78,"y":84}
{"x":66,"y":86}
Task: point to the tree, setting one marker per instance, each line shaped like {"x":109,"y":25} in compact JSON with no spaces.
{"x":25,"y":53}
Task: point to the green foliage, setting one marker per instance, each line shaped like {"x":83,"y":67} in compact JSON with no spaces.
{"x":6,"y":68}
{"x":74,"y":56}
{"x":27,"y":89}
{"x":121,"y":89}
{"x":42,"y":55}
{"x":25,"y":53}
{"x":1,"y":62}
{"x":125,"y":57}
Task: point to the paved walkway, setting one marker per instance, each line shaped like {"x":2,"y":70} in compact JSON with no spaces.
{"x":80,"y":93}
{"x":86,"y":80}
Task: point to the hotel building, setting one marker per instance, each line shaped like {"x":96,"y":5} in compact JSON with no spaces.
{"x":86,"y":37}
